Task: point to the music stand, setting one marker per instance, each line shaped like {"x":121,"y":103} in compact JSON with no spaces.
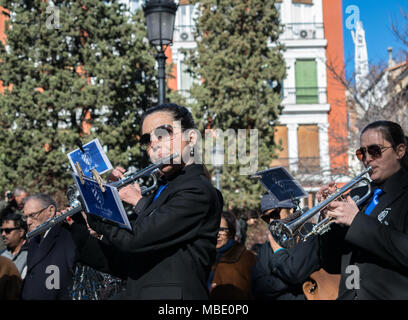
{"x":281,"y":185}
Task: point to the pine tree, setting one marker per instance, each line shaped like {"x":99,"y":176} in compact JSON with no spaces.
{"x":238,"y":82}
{"x":70,"y":69}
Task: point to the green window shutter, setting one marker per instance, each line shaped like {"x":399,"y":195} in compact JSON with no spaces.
{"x":306,"y":82}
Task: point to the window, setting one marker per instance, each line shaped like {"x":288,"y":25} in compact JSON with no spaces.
{"x":281,"y":138}
{"x":308,"y":149}
{"x":306,"y":82}
{"x":186,"y":80}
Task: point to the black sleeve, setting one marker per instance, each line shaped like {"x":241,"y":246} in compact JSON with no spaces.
{"x":176,"y":221}
{"x":295,"y":265}
{"x":98,"y":254}
{"x":333,"y":247}
{"x":264,"y":284}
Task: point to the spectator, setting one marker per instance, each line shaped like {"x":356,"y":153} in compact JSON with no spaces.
{"x":257,"y":231}
{"x":13,"y":201}
{"x":230,"y":275}
{"x":51,"y":255}
{"x":13,"y":230}
{"x":10,"y":280}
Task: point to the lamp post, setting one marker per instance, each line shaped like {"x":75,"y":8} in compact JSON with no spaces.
{"x":160,"y":16}
{"x":218,"y":162}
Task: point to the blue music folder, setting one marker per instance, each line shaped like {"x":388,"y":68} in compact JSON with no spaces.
{"x":104,"y":204}
{"x":94,"y":157}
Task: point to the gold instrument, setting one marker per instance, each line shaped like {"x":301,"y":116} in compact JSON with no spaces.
{"x":286,"y":233}
{"x":75,"y":203}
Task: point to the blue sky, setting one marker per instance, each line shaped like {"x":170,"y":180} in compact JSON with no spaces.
{"x":376,"y":16}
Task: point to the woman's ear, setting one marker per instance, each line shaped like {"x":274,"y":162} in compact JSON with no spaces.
{"x":192,"y":137}
{"x":401,"y":149}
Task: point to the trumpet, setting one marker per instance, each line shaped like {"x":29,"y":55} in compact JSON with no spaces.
{"x":286,"y":233}
{"x":75,"y":203}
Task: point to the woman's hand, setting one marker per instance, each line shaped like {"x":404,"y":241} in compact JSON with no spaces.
{"x":116,"y":174}
{"x":131,"y":194}
{"x":343,"y":212}
{"x":325,"y":191}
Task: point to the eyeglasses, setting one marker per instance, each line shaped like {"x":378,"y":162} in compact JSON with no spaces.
{"x":33,"y":215}
{"x":7,"y":230}
{"x":223,"y":230}
{"x":375,"y":151}
{"x":162,"y":133}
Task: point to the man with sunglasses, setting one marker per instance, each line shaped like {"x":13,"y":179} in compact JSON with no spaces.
{"x":51,"y":255}
{"x":369,"y":245}
{"x":13,"y":203}
{"x":13,"y":230}
{"x":280,"y":273}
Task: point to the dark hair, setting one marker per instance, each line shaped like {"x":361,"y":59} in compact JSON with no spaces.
{"x":18,"y":220}
{"x":179,"y":113}
{"x":231,"y":223}
{"x":393,"y":133}
{"x":45,"y":199}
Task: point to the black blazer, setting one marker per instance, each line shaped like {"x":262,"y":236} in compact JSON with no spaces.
{"x":280,"y":275}
{"x":377,"y":244}
{"x":56,"y":252}
{"x":171,"y":248}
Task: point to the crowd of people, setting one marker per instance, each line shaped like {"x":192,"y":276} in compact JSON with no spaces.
{"x":183,"y":244}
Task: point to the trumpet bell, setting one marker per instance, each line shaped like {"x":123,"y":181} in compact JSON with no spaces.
{"x":282,"y":234}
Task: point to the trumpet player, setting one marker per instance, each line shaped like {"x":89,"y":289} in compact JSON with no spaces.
{"x":279,"y":273}
{"x":171,"y":248}
{"x":369,"y":245}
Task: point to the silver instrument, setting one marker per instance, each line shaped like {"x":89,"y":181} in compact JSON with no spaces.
{"x":73,"y":194}
{"x":286,"y":233}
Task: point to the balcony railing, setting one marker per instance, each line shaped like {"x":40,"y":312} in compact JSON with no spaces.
{"x":304,"y":165}
{"x":302,"y":31}
{"x":305,"y":95}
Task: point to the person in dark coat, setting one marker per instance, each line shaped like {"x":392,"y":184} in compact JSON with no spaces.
{"x":369,"y":246}
{"x":171,"y":248}
{"x":280,"y":273}
{"x":230,"y":278}
{"x":50,"y":256}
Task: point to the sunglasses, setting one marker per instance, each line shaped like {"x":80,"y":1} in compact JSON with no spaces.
{"x":375,"y":151}
{"x":7,"y":230}
{"x":162,"y":133}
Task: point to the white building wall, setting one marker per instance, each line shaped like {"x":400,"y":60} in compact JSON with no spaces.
{"x":309,"y":45}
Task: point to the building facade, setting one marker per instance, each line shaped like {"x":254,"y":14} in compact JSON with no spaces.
{"x":313,"y":125}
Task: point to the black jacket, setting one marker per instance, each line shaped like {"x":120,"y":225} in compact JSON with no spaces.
{"x":376,"y":244}
{"x":280,"y":275}
{"x":171,"y":248}
{"x":50,"y":263}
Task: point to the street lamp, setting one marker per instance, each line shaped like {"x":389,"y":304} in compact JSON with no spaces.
{"x":160,"y":16}
{"x":217,"y":162}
